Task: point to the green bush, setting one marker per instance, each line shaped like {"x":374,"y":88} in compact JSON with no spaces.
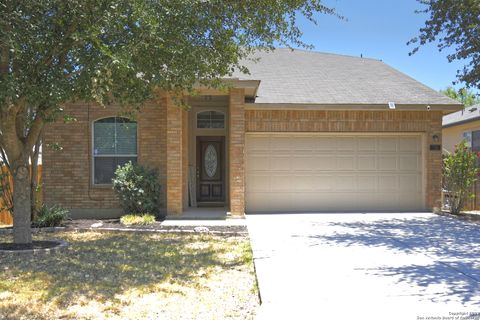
{"x":459,"y":174}
{"x":133,"y":219}
{"x":50,"y":216}
{"x":138,"y":189}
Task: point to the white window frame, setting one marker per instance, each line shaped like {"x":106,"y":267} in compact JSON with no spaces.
{"x":107,"y":155}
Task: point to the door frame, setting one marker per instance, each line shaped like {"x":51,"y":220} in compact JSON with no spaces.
{"x":222,"y":158}
{"x":193,"y":132}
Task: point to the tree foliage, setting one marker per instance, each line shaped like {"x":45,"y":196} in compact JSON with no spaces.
{"x":459,"y":174}
{"x":465,"y":96}
{"x":454,"y":24}
{"x":54,"y":51}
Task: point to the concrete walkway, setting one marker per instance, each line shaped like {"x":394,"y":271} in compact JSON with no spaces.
{"x":366,"y":266}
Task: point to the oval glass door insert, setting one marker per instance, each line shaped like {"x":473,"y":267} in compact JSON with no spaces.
{"x":210,"y":161}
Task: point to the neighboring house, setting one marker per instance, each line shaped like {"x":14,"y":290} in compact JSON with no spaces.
{"x":462,"y":125}
{"x":304,"y":131}
{"x":459,"y":126}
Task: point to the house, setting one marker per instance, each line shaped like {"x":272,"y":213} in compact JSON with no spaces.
{"x":304,"y":131}
{"x":462,"y":125}
{"x":459,"y":126}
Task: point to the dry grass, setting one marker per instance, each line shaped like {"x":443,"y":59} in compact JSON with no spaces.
{"x":132,"y":276}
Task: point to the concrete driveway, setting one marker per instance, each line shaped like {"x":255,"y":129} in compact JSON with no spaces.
{"x":366,"y":266}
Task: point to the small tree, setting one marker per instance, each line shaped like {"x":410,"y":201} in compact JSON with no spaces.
{"x":459,"y":174}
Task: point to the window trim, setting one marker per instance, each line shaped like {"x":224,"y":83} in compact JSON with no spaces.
{"x":93,"y":155}
{"x":211,"y":110}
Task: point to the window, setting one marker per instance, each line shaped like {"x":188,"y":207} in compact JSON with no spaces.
{"x":473,"y":142}
{"x":210,"y":120}
{"x":114,"y":144}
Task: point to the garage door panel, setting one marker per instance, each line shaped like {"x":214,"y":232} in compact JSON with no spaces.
{"x":387,"y":162}
{"x":281,"y":163}
{"x":345,"y":183}
{"x":324,"y":163}
{"x":409,"y":144}
{"x":345,"y":163}
{"x":259,"y":163}
{"x":346,"y":144}
{"x":366,"y":162}
{"x":409,"y":163}
{"x":387,"y":144}
{"x":325,"y":144}
{"x":367,"y":183}
{"x":366,"y":144}
{"x":301,"y":173}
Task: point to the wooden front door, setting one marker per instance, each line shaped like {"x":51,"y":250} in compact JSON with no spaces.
{"x":210,"y":169}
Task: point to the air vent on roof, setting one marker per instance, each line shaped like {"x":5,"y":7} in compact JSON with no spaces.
{"x":391,"y":105}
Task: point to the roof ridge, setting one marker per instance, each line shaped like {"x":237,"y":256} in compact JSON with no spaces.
{"x":328,"y":53}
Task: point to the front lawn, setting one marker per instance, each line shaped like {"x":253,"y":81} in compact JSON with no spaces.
{"x":132,"y":276}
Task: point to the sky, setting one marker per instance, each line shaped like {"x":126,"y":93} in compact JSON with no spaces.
{"x":380,"y":29}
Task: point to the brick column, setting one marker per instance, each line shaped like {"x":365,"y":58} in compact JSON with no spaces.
{"x":434,"y":162}
{"x":237,"y":151}
{"x":174,"y":158}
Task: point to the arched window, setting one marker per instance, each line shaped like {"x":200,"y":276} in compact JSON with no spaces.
{"x":114,"y":144}
{"x":210,"y":120}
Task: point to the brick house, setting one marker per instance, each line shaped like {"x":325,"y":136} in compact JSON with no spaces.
{"x":304,"y":131}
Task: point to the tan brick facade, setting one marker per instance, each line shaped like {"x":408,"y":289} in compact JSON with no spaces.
{"x":237,"y":151}
{"x":426,"y":122}
{"x":67,"y":175}
{"x":163,"y":144}
{"x":175,"y":169}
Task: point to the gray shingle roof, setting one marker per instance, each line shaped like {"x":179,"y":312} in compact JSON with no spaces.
{"x":468,"y":114}
{"x":307,"y":77}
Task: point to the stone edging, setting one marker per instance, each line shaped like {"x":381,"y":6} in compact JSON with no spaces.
{"x":61,"y":245}
{"x":192,"y":230}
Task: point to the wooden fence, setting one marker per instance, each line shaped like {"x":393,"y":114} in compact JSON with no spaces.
{"x":5,"y":216}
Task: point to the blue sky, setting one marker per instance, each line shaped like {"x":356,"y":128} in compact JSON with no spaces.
{"x":380,"y":29}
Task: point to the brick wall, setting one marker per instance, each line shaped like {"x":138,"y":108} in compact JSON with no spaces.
{"x":67,"y":178}
{"x":426,"y":122}
{"x":237,"y":151}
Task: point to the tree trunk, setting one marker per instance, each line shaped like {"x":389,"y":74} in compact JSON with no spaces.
{"x":22,"y":232}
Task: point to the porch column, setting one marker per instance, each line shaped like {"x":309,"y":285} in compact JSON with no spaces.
{"x":237,"y":151}
{"x":174,"y":185}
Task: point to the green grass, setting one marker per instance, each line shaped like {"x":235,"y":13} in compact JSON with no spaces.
{"x":132,"y":219}
{"x":131,"y":275}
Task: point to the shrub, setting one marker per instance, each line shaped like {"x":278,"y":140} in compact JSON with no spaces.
{"x":50,"y":216}
{"x":133,"y":219}
{"x":459,"y":174}
{"x":138,"y":189}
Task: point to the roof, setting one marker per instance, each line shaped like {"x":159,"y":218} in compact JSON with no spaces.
{"x":465,"y":115}
{"x":306,"y":77}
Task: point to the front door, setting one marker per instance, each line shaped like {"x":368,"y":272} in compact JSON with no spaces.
{"x":210,"y":169}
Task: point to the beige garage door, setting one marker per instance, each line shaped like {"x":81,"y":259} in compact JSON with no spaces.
{"x":308,"y":173}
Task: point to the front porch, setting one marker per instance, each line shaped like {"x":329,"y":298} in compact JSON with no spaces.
{"x":205,"y":154}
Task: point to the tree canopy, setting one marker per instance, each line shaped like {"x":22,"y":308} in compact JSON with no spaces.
{"x":54,"y":51}
{"x":465,"y":96}
{"x":454,"y":24}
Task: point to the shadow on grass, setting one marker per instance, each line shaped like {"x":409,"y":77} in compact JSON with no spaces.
{"x":452,"y":245}
{"x":101,"y":265}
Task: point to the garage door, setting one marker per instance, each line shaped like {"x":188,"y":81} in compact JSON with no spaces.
{"x":308,"y":173}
